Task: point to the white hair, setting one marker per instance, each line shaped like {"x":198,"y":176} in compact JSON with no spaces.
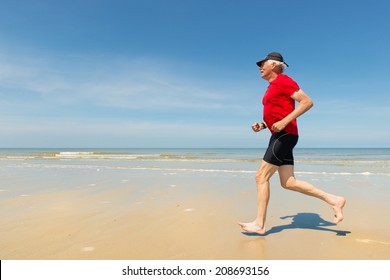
{"x":282,"y":66}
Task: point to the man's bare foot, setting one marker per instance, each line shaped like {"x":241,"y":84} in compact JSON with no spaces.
{"x":338,"y":209}
{"x":252,"y":228}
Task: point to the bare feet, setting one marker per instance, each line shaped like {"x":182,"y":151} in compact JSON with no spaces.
{"x":338,"y":209}
{"x":252,"y":228}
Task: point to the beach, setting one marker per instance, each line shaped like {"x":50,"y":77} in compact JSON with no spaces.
{"x":155,"y":204}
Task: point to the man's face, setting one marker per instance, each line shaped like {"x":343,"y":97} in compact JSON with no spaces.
{"x":266,"y":69}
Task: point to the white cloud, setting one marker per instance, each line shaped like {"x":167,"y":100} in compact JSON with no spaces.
{"x":132,"y":84}
{"x":120,"y":133}
{"x":59,"y":102}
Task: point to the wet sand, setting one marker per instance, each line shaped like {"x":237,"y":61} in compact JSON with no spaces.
{"x":115,"y":215}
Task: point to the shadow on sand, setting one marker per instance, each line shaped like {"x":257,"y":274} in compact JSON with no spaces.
{"x":303,"y":221}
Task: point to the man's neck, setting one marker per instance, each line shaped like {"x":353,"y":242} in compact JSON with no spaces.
{"x":273,"y":77}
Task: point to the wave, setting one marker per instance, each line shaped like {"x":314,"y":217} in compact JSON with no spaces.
{"x":112,"y":156}
{"x":200,"y":170}
{"x":343,"y":162}
{"x":184,"y":157}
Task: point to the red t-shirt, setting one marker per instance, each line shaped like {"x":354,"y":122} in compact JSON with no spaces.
{"x":278,"y":103}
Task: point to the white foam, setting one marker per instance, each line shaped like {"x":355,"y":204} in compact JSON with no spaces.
{"x":88,"y":249}
{"x":372,"y":241}
{"x":171,"y":171}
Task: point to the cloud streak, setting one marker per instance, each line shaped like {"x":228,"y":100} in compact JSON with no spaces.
{"x":74,"y":101}
{"x":131,"y":84}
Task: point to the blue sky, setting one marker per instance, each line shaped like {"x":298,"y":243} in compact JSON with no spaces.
{"x":179,"y":73}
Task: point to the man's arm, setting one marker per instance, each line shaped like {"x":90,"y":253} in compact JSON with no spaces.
{"x":305,"y":103}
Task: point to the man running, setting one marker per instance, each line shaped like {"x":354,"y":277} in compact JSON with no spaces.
{"x":279,"y":115}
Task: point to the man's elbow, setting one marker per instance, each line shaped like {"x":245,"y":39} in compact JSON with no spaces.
{"x":310,"y":103}
{"x":307,"y":103}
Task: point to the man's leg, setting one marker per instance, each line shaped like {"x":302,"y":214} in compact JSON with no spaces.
{"x":263,"y":176}
{"x":288,"y":181}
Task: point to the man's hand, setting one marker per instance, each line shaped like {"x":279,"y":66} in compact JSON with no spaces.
{"x":279,"y":126}
{"x":256,"y":127}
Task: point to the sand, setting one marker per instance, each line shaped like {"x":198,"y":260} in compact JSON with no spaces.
{"x":119,"y":215}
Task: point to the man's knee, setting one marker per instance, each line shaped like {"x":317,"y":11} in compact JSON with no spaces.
{"x":260,"y":178}
{"x":264,"y":173}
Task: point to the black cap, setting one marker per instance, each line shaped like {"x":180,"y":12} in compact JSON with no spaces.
{"x":272,"y":56}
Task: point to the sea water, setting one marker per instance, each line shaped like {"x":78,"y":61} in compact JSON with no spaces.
{"x":365,"y":162}
{"x":66,"y":167}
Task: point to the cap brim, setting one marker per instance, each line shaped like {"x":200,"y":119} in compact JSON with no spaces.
{"x":260,"y":62}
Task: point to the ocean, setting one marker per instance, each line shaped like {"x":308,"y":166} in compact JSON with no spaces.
{"x":18,"y":166}
{"x":319,"y":161}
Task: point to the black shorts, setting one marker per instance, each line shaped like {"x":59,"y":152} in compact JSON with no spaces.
{"x":280,"y":149}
